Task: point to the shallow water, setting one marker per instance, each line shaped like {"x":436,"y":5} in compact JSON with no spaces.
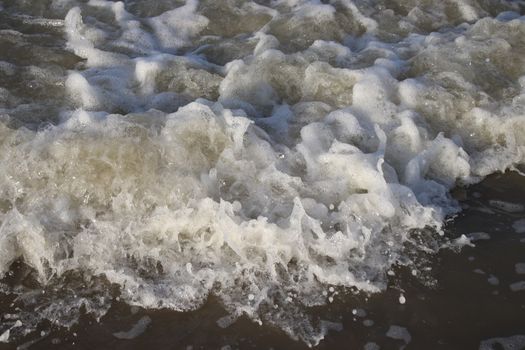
{"x":260,"y":173}
{"x":461,"y":308}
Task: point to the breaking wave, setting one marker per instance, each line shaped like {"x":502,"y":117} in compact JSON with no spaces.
{"x":257,"y":151}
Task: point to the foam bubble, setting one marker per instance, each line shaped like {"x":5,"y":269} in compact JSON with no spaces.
{"x":399,"y":333}
{"x":4,"y":337}
{"x":371,"y":346}
{"x":517,"y":286}
{"x":477,"y":236}
{"x":520,"y":268}
{"x":507,"y":343}
{"x":519,"y":226}
{"x":136,"y":330}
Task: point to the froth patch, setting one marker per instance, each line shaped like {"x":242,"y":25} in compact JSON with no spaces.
{"x":519,"y":226}
{"x":200,"y":201}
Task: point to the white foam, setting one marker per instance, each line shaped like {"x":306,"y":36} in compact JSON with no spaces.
{"x":477,"y":236}
{"x":517,"y":286}
{"x":520,"y":268}
{"x":399,"y":333}
{"x":368,"y":323}
{"x":506,"y":343}
{"x":174,"y":28}
{"x":4,"y":337}
{"x":139,"y":328}
{"x":507,"y":206}
{"x":519,"y":226}
{"x":371,"y":346}
{"x":493,"y":280}
{"x":302,"y":164}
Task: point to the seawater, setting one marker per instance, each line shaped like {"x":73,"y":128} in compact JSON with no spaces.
{"x":268,"y":155}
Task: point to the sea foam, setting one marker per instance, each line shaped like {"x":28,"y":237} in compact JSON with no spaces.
{"x":260,"y":161}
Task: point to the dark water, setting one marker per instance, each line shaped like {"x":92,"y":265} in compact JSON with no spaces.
{"x":459,"y":310}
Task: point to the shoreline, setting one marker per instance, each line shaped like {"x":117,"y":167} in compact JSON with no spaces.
{"x":470,"y":302}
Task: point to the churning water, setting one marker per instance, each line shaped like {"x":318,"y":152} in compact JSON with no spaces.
{"x":268,"y":155}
